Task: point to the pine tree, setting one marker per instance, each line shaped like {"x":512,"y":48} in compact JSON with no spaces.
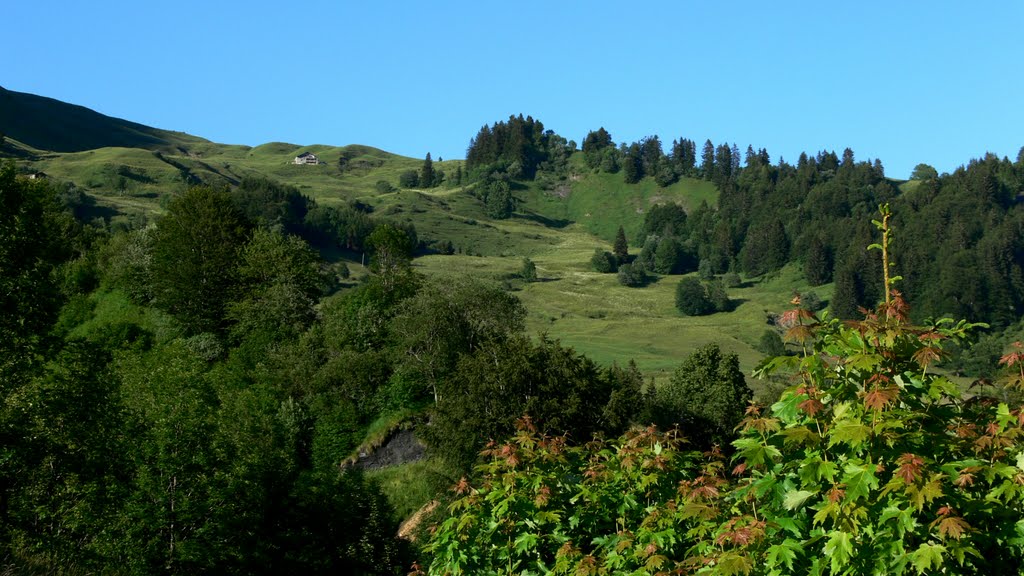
{"x":632,"y":164}
{"x":427,"y":172}
{"x":818,"y":262}
{"x":707,"y":158}
{"x":845,"y":298}
{"x":621,"y":248}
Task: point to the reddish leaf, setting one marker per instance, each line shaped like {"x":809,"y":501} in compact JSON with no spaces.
{"x":952,"y":527}
{"x":811,"y":406}
{"x":910,"y":468}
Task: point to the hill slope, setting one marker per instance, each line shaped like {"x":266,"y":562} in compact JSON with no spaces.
{"x":49,"y":124}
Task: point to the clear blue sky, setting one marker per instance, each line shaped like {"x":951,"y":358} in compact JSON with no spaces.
{"x":906,"y":82}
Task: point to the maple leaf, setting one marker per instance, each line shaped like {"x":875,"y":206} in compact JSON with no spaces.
{"x":952,"y":527}
{"x":799,"y":333}
{"x":543,"y":495}
{"x":796,"y":317}
{"x":925,"y":356}
{"x":910,"y":467}
{"x":811,"y":406}
{"x":1014,"y":357}
{"x":878,"y":398}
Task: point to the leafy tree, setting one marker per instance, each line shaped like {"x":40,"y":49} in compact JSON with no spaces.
{"x":706,"y":396}
{"x":195,"y":253}
{"x":499,"y":203}
{"x":692,"y":297}
{"x":281,"y":282}
{"x":594,"y":146}
{"x":705,"y":271}
{"x":924,"y":172}
{"x":447,"y":319}
{"x":269,"y":203}
{"x":610,"y":160}
{"x":409,"y":179}
{"x":647,"y":253}
{"x":125,"y":263}
{"x":61,"y":461}
{"x":621,"y":248}
{"x":34,"y":235}
{"x":562,"y":391}
{"x":717,"y":295}
{"x":392,"y":252}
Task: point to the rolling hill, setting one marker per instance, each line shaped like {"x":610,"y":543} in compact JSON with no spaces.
{"x":131,"y":170}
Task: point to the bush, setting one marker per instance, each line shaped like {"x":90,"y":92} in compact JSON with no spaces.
{"x":384,"y":187}
{"x":529,"y":270}
{"x":603,"y":262}
{"x":771,"y":344}
{"x":691,"y":299}
{"x":633,"y":275}
{"x":409,"y":179}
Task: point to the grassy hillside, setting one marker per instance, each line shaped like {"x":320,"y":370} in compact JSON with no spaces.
{"x":601,"y":202}
{"x":558,"y":229}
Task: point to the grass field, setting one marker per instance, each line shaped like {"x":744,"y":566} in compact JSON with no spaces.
{"x":610,"y":323}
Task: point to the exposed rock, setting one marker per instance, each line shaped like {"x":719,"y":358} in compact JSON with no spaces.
{"x":401,"y":448}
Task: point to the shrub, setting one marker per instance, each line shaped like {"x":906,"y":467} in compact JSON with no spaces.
{"x":633,"y":275}
{"x":603,"y":261}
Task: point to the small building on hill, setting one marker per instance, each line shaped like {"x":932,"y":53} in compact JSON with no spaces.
{"x":306,"y":158}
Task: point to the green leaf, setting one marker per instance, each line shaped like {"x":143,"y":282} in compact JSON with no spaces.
{"x":927,"y":558}
{"x":839,"y":549}
{"x":525,"y":541}
{"x":786,"y":408}
{"x":799,"y":435}
{"x":783,"y":553}
{"x":851,"y":432}
{"x":815,"y":469}
{"x":859,"y":480}
{"x":754,"y":453}
{"x":796,"y":498}
{"x":787,"y":524}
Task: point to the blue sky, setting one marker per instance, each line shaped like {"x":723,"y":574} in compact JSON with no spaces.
{"x":906,"y":82}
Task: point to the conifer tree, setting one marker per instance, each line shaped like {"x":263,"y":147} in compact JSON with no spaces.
{"x":427,"y":173}
{"x":707,"y":158}
{"x":621,"y":248}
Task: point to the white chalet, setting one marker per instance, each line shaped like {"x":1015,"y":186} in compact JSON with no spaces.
{"x":306,"y":158}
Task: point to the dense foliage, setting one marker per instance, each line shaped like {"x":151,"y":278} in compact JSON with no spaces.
{"x":869,"y":463}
